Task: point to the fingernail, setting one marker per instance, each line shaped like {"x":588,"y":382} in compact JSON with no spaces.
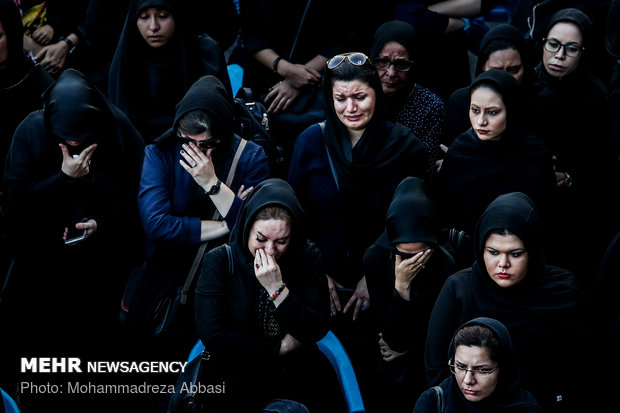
{"x":182,"y":151}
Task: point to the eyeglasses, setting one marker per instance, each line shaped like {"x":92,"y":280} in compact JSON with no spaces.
{"x":571,"y":49}
{"x":404,"y":255}
{"x":400,"y":65}
{"x":209,"y":143}
{"x":356,"y":59}
{"x":478,"y":373}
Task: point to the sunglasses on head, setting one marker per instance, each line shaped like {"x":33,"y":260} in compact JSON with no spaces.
{"x":209,"y":143}
{"x":355,"y":58}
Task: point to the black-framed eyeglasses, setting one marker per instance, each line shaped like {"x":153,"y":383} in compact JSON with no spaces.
{"x":403,"y":255}
{"x":571,"y":49}
{"x":209,"y":143}
{"x":478,"y":373}
{"x":355,"y":58}
{"x":401,"y":65}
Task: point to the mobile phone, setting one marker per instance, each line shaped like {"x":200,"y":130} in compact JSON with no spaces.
{"x":74,"y":235}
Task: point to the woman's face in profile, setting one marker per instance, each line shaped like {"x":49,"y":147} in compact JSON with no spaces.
{"x":487,"y":114}
{"x":505,"y":259}
{"x":4,"y":47}
{"x":271,"y":235}
{"x":354,"y":103}
{"x":471,"y":363}
{"x":156,"y":26}
{"x":508,"y":60}
{"x":558,"y":64}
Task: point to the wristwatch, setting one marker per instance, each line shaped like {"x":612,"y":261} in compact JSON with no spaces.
{"x":568,"y":180}
{"x":214,"y":189}
{"x":69,"y":43}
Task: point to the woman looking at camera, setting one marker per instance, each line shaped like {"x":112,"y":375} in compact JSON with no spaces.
{"x":485,"y":375}
{"x":262,"y":303}
{"x":543,"y":306}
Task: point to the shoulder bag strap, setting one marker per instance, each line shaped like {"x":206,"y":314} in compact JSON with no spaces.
{"x":216,"y":215}
{"x":329,"y":158}
{"x":440,"y":397}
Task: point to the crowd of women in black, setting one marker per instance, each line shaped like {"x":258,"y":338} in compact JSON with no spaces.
{"x":457,"y":231}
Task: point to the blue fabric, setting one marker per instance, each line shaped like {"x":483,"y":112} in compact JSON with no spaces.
{"x":165,"y":185}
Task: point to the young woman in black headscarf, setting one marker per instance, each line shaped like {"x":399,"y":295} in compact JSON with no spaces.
{"x":262,"y":303}
{"x":157,"y":59}
{"x":543,"y":306}
{"x":493,"y":157}
{"x":486,"y":376}
{"x":405,"y":270}
{"x":502,"y":47}
{"x":572,"y":116}
{"x":74,"y":165}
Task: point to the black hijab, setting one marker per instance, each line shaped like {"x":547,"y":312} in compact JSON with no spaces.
{"x":501,"y":37}
{"x":516,"y":162}
{"x":16,"y":62}
{"x":145,"y":82}
{"x":209,"y":94}
{"x":509,"y":394}
{"x":382,"y":148}
{"x":543,"y":300}
{"x":411,"y":216}
{"x":270,"y":192}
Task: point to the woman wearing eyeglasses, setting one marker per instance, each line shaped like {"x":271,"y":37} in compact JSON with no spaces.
{"x":571,"y":114}
{"x":485,"y":375}
{"x":543,"y":306}
{"x":157,"y":59}
{"x":345,"y":171}
{"x":393,"y":52}
{"x":405,"y":270}
{"x":184,"y":199}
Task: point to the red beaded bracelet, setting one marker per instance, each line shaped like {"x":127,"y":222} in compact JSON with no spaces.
{"x":278,"y":292}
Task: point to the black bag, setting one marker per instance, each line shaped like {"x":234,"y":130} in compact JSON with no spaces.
{"x":154,"y":302}
{"x":253,"y":123}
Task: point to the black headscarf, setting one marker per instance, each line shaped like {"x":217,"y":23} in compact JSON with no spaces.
{"x":383,"y":146}
{"x":411,"y":217}
{"x":404,"y":34}
{"x":498,"y":38}
{"x":271,"y":192}
{"x":209,"y":94}
{"x":14,"y":32}
{"x":509,"y":395}
{"x":145,"y":82}
{"x":516,"y":162}
{"x":542,"y":298}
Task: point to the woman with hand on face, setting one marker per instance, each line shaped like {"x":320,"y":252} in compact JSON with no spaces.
{"x":405,"y":270}
{"x":262,"y":303}
{"x":157,"y":59}
{"x":485,"y":375}
{"x":543,"y":306}
{"x":493,"y":157}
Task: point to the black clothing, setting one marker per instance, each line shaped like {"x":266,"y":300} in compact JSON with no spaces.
{"x":571,"y":115}
{"x":63,"y":299}
{"x":475,"y":171}
{"x":146,"y":83}
{"x":509,"y":394}
{"x":500,"y":37}
{"x":227,"y":307}
{"x":546,"y":313}
{"x":403,"y":323}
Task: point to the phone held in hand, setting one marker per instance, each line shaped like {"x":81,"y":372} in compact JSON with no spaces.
{"x":75,"y":235}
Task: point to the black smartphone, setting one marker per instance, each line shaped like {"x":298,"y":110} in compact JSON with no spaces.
{"x":74,"y":235}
